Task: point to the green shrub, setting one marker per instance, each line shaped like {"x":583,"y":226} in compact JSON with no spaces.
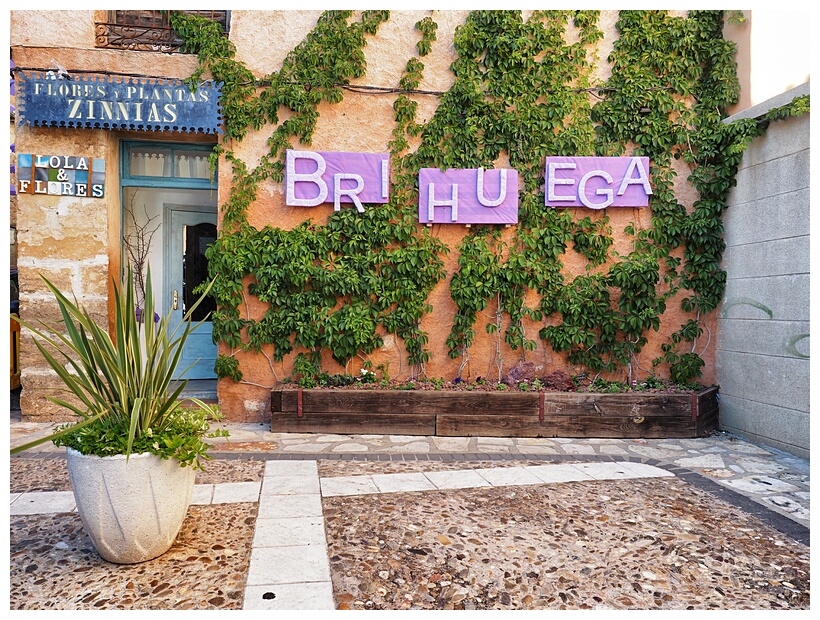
{"x":123,"y":384}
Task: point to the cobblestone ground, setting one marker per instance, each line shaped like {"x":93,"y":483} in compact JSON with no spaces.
{"x":653,"y":543}
{"x":636,"y":544}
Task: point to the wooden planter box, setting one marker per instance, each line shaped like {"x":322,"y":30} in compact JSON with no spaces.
{"x":494,"y":414}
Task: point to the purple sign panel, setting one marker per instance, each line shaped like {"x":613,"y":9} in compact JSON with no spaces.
{"x":313,"y":178}
{"x":597,"y":182}
{"x":468,"y":196}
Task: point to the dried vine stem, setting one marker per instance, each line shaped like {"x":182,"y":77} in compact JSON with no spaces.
{"x":137,"y":246}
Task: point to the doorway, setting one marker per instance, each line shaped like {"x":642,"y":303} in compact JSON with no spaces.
{"x":169,"y":219}
{"x":189,"y":230}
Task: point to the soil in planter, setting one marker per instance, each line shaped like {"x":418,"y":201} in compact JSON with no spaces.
{"x":523,"y":377}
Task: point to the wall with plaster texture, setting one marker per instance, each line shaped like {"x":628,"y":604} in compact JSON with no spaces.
{"x":78,"y":235}
{"x":762,"y":358}
{"x":364,"y":122}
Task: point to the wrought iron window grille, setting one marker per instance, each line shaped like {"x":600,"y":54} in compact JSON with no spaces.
{"x":147,"y":30}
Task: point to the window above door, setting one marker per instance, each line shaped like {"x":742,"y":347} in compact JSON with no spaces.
{"x":147,"y":30}
{"x":167,"y":164}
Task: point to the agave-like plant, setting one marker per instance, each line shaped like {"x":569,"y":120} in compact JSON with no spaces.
{"x":124,"y":384}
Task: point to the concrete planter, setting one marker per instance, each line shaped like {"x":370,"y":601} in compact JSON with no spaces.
{"x":132,"y":511}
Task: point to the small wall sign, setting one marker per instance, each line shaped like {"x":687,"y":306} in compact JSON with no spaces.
{"x":313,"y":178}
{"x":597,"y":182}
{"x":468,"y":196}
{"x":60,"y":175}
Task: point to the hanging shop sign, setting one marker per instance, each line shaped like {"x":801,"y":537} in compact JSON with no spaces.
{"x":98,"y":102}
{"x":597,"y":182}
{"x":468,"y":196}
{"x":60,"y":175}
{"x":313,"y":178}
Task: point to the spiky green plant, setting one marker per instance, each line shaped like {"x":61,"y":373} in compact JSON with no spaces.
{"x":124,"y":384}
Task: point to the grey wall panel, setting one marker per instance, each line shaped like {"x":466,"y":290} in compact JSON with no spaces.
{"x":767,"y":218}
{"x":768,"y":258}
{"x":785,"y":298}
{"x":767,"y":379}
{"x":782,"y":428}
{"x":762,"y":358}
{"x":764,"y":337}
{"x":773,"y":179}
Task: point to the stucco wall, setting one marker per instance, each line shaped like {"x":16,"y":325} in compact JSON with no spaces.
{"x":773,"y":53}
{"x":762,"y":359}
{"x":362,"y":122}
{"x":73,"y":241}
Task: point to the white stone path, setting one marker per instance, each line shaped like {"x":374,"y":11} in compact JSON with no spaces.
{"x":289,"y":568}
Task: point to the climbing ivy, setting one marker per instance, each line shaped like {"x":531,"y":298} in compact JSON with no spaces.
{"x":522,"y":89}
{"x":327,"y":287}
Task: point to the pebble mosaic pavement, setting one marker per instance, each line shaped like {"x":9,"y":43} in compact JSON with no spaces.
{"x":729,"y":530}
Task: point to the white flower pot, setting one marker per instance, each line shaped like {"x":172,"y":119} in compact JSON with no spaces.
{"x":132,"y":511}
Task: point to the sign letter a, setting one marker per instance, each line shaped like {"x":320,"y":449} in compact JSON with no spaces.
{"x":642,"y":178}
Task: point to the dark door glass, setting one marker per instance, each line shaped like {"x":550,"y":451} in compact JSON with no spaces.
{"x":195,"y":268}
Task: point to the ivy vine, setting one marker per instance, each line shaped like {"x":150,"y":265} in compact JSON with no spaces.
{"x":523,"y":88}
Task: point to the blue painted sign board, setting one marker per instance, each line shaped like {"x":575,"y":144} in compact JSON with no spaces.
{"x":107,"y":102}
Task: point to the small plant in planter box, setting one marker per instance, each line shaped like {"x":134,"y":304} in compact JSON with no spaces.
{"x":134,"y":443}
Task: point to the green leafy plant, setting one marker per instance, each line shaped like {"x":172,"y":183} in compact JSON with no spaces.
{"x":599,"y":384}
{"x":650,"y":383}
{"x":123,"y":384}
{"x":436,"y":382}
{"x":522,"y":89}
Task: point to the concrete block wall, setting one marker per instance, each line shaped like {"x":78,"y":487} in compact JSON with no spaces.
{"x":762,"y":355}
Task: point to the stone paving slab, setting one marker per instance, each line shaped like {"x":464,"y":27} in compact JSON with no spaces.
{"x":300,"y":564}
{"x":229,"y":492}
{"x":348,"y":485}
{"x":290,"y":506}
{"x":458,"y":479}
{"x":289,"y":531}
{"x":290,"y":596}
{"x":398,"y":483}
{"x":42,"y":503}
{"x":202,"y":494}
{"x":290,"y":551}
{"x":558,"y":473}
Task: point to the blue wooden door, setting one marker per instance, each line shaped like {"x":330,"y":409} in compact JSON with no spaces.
{"x":189,"y":231}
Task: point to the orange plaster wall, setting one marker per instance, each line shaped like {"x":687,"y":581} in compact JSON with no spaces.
{"x":363,"y":122}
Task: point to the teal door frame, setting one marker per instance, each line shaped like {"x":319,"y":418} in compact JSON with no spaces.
{"x":130,"y":178}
